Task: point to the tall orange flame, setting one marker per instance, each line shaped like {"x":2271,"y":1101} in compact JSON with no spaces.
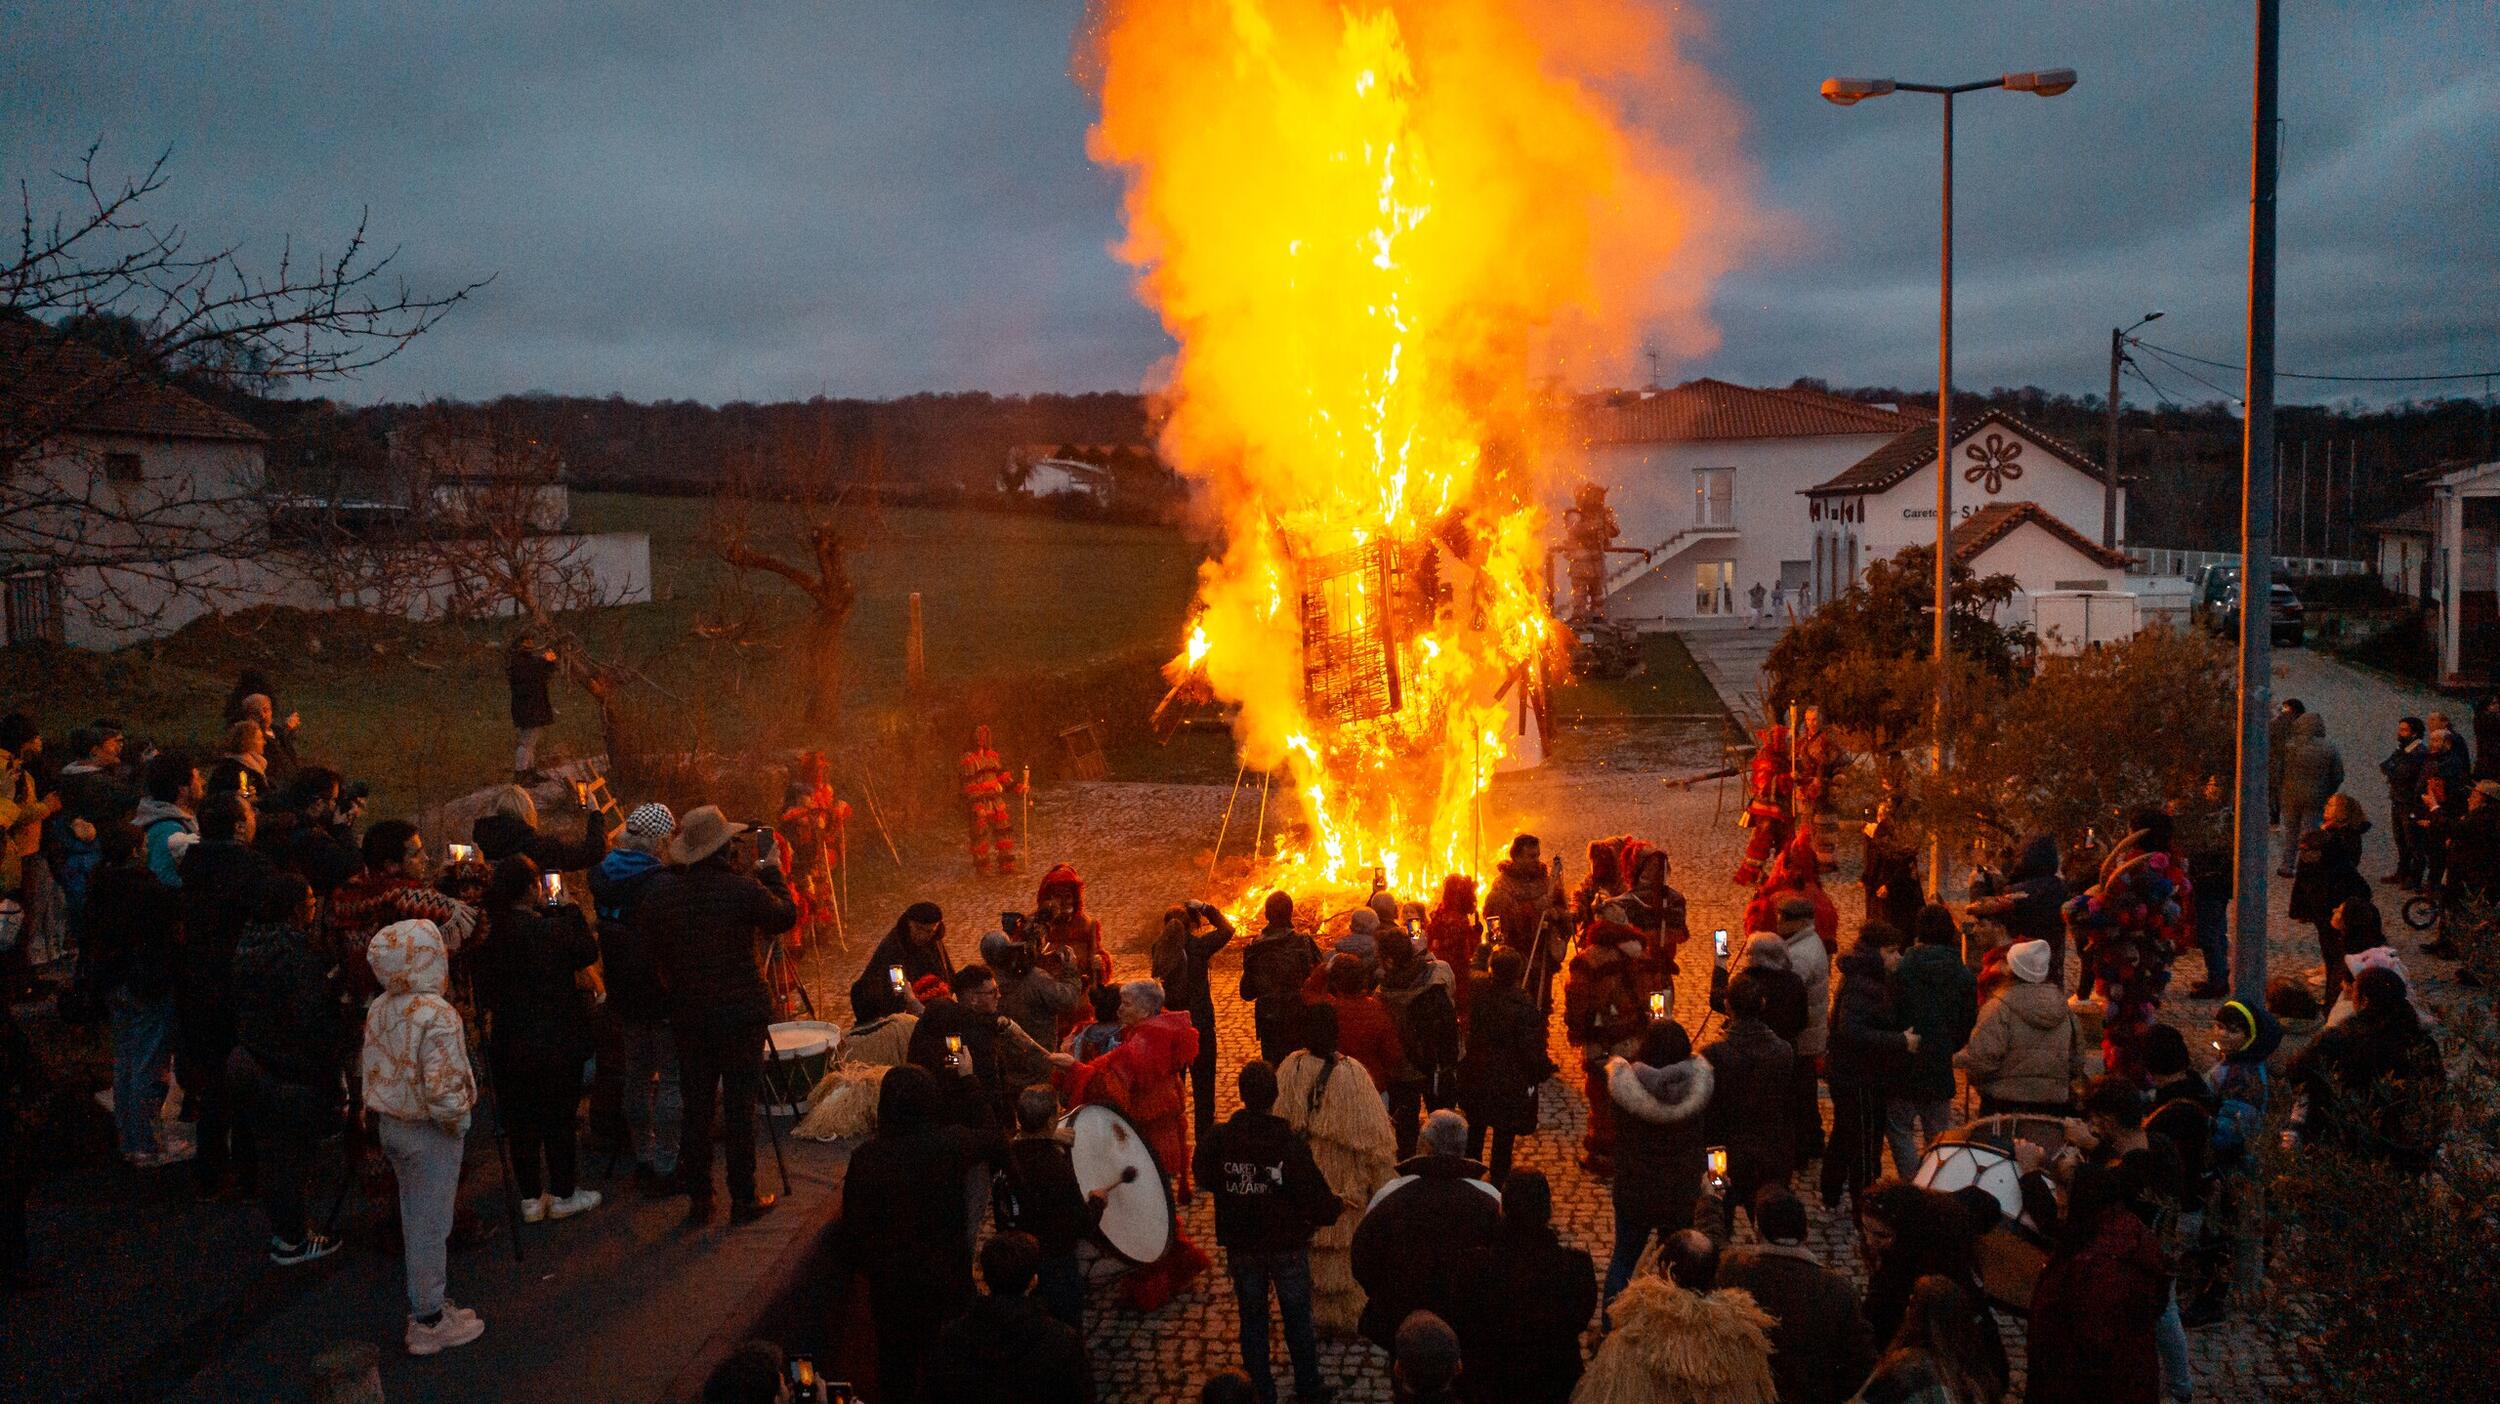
{"x":1374,"y":228}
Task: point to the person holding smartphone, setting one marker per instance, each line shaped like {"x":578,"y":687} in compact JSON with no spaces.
{"x":539,"y":1033}
{"x":705,"y":918}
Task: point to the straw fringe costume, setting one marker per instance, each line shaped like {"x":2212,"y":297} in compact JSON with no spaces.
{"x":1671,"y":1346}
{"x":1351,"y":1137}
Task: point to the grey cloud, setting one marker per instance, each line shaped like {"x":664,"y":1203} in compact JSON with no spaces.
{"x":880,"y":196}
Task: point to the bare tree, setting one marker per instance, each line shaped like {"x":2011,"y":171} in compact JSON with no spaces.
{"x":817,"y":476}
{"x":104,"y":304}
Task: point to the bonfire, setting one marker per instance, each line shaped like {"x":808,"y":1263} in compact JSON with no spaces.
{"x":1380,"y":233}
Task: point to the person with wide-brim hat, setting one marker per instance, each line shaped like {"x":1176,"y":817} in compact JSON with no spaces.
{"x":703,"y":920}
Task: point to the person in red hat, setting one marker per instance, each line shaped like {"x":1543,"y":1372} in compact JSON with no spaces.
{"x":1060,"y":927}
{"x":1770,"y":807}
{"x":986,"y":783}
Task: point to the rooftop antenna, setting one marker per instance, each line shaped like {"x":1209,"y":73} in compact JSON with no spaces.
{"x":1652,"y":353}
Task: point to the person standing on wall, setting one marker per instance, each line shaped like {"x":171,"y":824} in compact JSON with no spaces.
{"x":528,"y":666}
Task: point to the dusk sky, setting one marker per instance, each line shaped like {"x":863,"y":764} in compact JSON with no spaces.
{"x":874,"y":197}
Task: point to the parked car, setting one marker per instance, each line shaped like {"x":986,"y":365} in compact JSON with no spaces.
{"x":2217,"y":607}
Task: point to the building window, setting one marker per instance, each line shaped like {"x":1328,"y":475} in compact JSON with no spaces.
{"x":1714,"y":587}
{"x":122,"y":468}
{"x":1714,"y":497}
{"x":33,"y":608}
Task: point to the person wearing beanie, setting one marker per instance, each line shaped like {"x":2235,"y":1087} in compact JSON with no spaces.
{"x":1938,"y":998}
{"x":1821,"y":1346}
{"x":2026,"y":1052}
{"x":1274,"y":968}
{"x":638,"y":1064}
{"x":906,"y":1225}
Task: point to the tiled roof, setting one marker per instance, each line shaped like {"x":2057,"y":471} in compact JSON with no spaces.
{"x":1715,"y":409}
{"x":1998,"y":520}
{"x":40,"y":367}
{"x":1916,"y":448}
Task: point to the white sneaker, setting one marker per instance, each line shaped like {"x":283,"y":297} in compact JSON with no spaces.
{"x":535,"y":1209}
{"x":580,"y":1201}
{"x":457,"y":1327}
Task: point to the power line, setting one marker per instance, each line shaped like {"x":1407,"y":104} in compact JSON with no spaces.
{"x":2295,"y":375}
{"x":2158,"y":393}
{"x":2231,"y":396}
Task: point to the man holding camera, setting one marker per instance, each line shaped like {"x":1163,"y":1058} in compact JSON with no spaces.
{"x":703,"y":919}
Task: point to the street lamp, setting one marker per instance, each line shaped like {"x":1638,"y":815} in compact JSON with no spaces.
{"x":1847,"y":92}
{"x":2109,"y":466}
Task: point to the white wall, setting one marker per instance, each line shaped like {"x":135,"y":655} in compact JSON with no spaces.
{"x":111,"y":608}
{"x":2039,"y":562}
{"x":1905,"y":514}
{"x":1650,"y":487}
{"x":194,"y":494}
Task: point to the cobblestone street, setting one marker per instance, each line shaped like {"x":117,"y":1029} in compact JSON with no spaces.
{"x":1134,"y":843}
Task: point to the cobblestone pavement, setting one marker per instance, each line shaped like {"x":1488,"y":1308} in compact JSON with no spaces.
{"x":1135,"y":843}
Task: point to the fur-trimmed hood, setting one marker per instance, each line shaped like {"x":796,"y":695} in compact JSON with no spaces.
{"x":1671,"y":1346}
{"x":1660,"y":1095}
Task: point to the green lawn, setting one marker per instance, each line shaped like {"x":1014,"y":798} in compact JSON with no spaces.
{"x":1670,"y":685}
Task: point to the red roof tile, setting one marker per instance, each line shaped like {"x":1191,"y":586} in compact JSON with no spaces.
{"x":1715,"y":409}
{"x":1916,"y":448}
{"x":1998,"y":520}
{"x":40,"y":370}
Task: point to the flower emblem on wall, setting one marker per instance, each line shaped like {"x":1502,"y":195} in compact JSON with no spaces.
{"x":1994,"y":461}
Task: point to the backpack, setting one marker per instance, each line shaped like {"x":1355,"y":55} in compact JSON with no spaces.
{"x":1428,"y":1025}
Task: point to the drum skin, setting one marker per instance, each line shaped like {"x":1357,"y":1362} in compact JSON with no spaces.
{"x":1137,"y":1208}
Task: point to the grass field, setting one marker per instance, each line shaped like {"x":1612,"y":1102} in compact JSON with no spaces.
{"x":1670,"y":685}
{"x":420,"y":710}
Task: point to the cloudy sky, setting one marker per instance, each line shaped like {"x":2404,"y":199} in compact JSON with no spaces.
{"x":881,"y":196}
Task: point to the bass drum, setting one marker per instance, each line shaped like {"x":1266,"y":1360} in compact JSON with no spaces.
{"x":1980,"y":1156}
{"x":1109,"y":1155}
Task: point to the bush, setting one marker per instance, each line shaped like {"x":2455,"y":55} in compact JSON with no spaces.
{"x":2391,"y":1273}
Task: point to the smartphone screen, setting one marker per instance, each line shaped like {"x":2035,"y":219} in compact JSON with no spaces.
{"x":954,"y":1043}
{"x":555,"y":886}
{"x":1718,"y":1160}
{"x":1718,"y":942}
{"x":894,"y":974}
{"x":1657,"y":1006}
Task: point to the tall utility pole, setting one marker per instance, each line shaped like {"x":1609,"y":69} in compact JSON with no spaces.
{"x":2257,"y":488}
{"x":2109,"y":469}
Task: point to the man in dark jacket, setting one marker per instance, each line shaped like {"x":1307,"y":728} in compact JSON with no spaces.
{"x":1821,"y":1347}
{"x":906,"y":1227}
{"x":1274,"y":969}
{"x":512,"y":828}
{"x":1410,"y":1250}
{"x":1869,"y":1062}
{"x":704,"y":918}
{"x":1752,"y":1088}
{"x":1523,"y":1301}
{"x":1040,"y":1197}
{"x":2403,"y":769}
{"x":1938,"y":999}
{"x":644,"y":1083}
{"x":129,"y":948}
{"x":295,"y":1030}
{"x":1007,"y":1347}
{"x":958,"y":1041}
{"x":1192,"y":934}
{"x":219,"y":875}
{"x":527,"y":667}
{"x":1270,"y":1197}
{"x":2030,"y":908}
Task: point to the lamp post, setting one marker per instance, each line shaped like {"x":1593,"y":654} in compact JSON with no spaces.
{"x":2109,"y":465}
{"x":1845,"y":92}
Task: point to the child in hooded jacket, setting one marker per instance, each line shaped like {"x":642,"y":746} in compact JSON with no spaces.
{"x":419,"y":1091}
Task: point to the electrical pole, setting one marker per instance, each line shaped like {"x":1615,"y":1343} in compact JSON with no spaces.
{"x":2257,"y":492}
{"x":2109,"y":468}
{"x":1944,"y":497}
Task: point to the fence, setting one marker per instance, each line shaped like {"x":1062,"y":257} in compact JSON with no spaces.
{"x":2163,"y":560}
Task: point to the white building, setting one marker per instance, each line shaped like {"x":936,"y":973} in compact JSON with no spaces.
{"x":130,"y":508}
{"x":2445,"y":554}
{"x":1706,"y":477}
{"x":1887,"y":501}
